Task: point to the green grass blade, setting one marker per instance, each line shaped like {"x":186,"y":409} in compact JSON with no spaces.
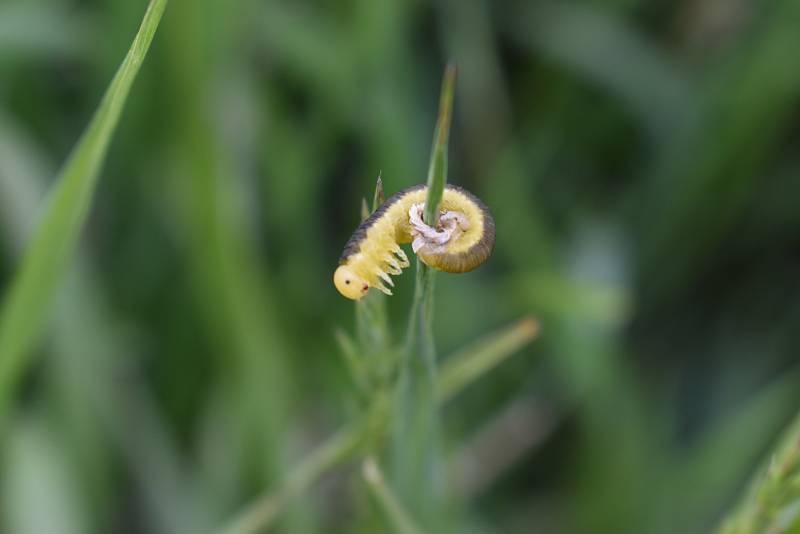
{"x":354,"y":361}
{"x":27,"y":302}
{"x":378,"y":198}
{"x":771,"y":504}
{"x":468,"y":365}
{"x":372,"y":322}
{"x":266,"y":509}
{"x":395,"y":512}
{"x":698,"y":479}
{"x":420,"y":323}
{"x":80,"y":379}
{"x":437,"y":171}
{"x":347,"y":442}
{"x":458,"y":372}
{"x":415,"y":432}
{"x":364,"y":210}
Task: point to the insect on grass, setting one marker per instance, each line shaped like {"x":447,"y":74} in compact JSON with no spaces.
{"x":463,"y":239}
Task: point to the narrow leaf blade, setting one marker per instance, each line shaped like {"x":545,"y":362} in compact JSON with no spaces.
{"x":27,"y":302}
{"x":437,"y":171}
{"x":465,"y":367}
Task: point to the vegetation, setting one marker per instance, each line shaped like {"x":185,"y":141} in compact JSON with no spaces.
{"x":174,"y":357}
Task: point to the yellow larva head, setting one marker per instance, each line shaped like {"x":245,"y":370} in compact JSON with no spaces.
{"x":349,"y":283}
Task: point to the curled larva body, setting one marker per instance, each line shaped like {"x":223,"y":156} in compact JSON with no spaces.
{"x":463,"y":240}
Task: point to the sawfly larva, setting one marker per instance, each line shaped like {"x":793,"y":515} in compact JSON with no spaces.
{"x":463,"y":239}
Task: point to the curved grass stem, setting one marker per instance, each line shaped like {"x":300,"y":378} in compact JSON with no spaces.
{"x":265,"y":510}
{"x":395,"y":511}
{"x":29,"y":298}
{"x":415,"y":431}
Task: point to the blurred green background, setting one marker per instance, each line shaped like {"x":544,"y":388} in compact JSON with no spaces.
{"x":640,"y":161}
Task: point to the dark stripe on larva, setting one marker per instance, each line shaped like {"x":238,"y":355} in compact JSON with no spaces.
{"x":353,"y":244}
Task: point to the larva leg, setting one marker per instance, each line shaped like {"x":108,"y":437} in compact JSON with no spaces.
{"x":392,"y":265}
{"x":394,"y":271}
{"x":403,"y":258}
{"x":383,"y":288}
{"x":388,"y":258}
{"x":386,"y":278}
{"x":401,"y":255}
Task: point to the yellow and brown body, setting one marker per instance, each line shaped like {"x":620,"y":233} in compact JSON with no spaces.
{"x":373,"y":251}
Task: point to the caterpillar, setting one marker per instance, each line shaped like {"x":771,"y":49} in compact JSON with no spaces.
{"x":463,"y":240}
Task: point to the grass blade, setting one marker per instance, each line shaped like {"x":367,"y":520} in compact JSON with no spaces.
{"x":415,"y":425}
{"x":27,"y":302}
{"x":460,"y":370}
{"x":771,"y":504}
{"x":395,"y":511}
{"x":699,"y":480}
{"x":267,"y":508}
{"x":364,"y":210}
{"x":420,"y":323}
{"x":468,"y":365}
{"x":378,"y":198}
{"x":437,"y":171}
{"x":372,"y":322}
{"x":352,"y":358}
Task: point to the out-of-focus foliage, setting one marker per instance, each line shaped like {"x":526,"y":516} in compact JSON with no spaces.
{"x":640,"y":161}
{"x":52,"y":246}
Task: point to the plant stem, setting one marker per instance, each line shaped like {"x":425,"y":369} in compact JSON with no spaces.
{"x":437,"y":170}
{"x":771,"y":504}
{"x":415,"y":432}
{"x":395,"y":511}
{"x":266,"y":509}
{"x":337,"y":449}
{"x":30,"y":294}
{"x":468,"y":365}
{"x":371,"y":319}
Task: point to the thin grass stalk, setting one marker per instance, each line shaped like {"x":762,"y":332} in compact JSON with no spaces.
{"x":415,"y":432}
{"x":266,"y":509}
{"x":396,"y":513}
{"x":29,"y":299}
{"x":420,"y":327}
{"x":772,"y":503}
{"x":372,"y":323}
{"x":342,"y":446}
{"x":469,"y":364}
